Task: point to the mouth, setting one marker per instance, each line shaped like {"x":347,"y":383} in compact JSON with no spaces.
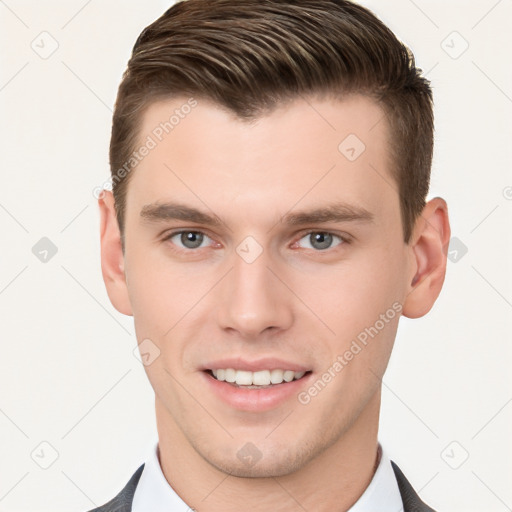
{"x":261,"y":379}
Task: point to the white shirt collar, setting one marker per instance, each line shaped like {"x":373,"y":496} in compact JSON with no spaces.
{"x":383,"y":493}
{"x":154,"y":493}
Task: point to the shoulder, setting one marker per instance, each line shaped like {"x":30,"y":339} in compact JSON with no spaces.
{"x":123,"y":501}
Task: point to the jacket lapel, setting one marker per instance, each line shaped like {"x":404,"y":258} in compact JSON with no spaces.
{"x":410,"y":499}
{"x":123,"y":501}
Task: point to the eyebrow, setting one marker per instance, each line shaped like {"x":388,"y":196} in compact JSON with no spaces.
{"x":158,"y":212}
{"x":336,"y":212}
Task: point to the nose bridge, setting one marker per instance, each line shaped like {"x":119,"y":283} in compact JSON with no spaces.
{"x":254,"y":299}
{"x":252,"y":278}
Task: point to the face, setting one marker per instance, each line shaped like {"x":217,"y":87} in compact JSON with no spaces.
{"x":259,"y":252}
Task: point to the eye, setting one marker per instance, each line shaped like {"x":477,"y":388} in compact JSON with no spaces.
{"x":320,"y":240}
{"x":188,"y":239}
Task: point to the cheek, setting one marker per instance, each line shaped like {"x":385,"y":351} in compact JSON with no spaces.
{"x":171,"y":305}
{"x":161,"y":292}
{"x":360,"y":302}
{"x":355,"y":292}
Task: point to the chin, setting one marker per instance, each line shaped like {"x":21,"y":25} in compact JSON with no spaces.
{"x":249,"y":462}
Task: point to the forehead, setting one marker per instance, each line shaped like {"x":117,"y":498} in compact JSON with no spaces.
{"x":305,"y":150}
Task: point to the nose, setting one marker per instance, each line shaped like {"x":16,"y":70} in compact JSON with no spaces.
{"x":253,"y":300}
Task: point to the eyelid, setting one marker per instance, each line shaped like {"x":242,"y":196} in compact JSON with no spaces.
{"x":345,"y":237}
{"x":170,"y":234}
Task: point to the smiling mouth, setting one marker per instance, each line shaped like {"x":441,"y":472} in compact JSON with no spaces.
{"x":256,"y":380}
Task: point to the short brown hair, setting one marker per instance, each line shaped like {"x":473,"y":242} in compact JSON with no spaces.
{"x":249,"y":56}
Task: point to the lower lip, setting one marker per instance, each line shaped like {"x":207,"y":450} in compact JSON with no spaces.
{"x":255,"y":400}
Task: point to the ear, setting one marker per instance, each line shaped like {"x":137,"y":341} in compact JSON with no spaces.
{"x":112,"y":257}
{"x":429,"y":247}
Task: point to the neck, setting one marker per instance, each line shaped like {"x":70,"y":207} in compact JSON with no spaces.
{"x":334,"y":480}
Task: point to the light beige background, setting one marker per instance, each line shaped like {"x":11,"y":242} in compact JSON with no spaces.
{"x":68,"y":375}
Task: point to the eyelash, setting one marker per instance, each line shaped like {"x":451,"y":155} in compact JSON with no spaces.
{"x":345,"y":239}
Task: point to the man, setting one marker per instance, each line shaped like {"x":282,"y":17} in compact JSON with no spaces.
{"x":268,"y":226}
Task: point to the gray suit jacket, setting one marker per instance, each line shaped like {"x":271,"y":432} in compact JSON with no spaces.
{"x":123,"y":501}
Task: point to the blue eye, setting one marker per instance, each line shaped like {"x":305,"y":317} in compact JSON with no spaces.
{"x":320,"y":240}
{"x":188,"y":239}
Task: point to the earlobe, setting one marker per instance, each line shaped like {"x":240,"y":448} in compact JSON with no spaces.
{"x":429,"y":249}
{"x":112,"y":258}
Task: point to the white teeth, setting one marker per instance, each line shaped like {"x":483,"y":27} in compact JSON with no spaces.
{"x":259,"y":378}
{"x":243,"y":378}
{"x":276,"y":376}
{"x":230,"y":375}
{"x":288,"y":375}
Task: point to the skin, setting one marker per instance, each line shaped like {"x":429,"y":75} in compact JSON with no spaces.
{"x":295,"y":301}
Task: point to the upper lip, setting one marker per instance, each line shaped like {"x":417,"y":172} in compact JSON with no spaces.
{"x":266,"y":363}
